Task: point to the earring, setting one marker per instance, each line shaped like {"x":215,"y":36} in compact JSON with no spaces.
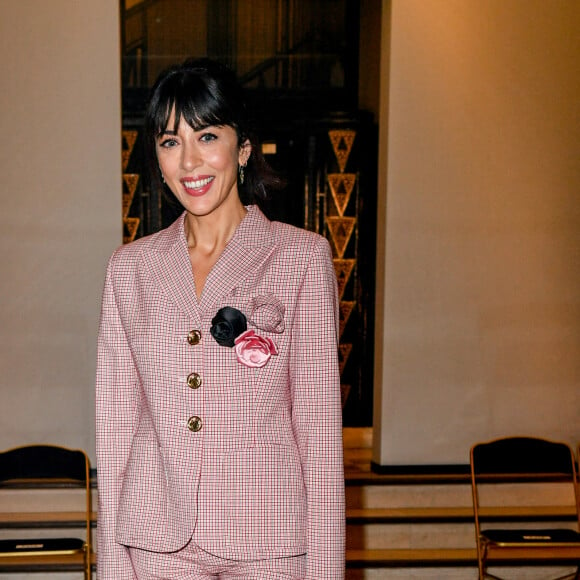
{"x":241,"y":170}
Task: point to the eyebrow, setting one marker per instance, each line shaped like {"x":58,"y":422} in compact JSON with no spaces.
{"x":172,"y":133}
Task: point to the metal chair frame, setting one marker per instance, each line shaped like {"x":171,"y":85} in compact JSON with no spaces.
{"x":41,"y":465}
{"x":526,"y":460}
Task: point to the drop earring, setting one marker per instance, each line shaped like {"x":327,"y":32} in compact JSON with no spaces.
{"x":241,"y":170}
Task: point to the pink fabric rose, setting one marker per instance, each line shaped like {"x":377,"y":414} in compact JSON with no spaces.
{"x":254,"y":350}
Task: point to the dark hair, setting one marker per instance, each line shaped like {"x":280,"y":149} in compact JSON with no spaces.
{"x":204,"y":92}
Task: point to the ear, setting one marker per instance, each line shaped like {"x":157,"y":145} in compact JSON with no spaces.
{"x":244,"y":152}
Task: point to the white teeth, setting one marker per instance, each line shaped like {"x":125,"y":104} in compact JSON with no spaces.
{"x":197,"y":183}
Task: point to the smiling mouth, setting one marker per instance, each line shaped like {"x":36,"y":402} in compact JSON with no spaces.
{"x":197,"y":183}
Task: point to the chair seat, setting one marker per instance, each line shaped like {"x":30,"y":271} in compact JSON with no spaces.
{"x":27,"y":467}
{"x":40,"y":546}
{"x":531,"y":537}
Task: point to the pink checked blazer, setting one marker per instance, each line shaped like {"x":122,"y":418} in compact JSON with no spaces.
{"x":263,"y":476}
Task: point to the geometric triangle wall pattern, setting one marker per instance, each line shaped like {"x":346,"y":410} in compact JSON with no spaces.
{"x":343,"y":270}
{"x":341,"y":229}
{"x":341,"y":186}
{"x":127,"y":144}
{"x":344,"y":393}
{"x":131,"y":224}
{"x":130,"y":181}
{"x":346,"y":307}
{"x":341,"y":145}
{"x":343,"y":354}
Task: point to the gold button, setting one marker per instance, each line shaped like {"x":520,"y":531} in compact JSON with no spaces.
{"x":194,"y":424}
{"x":194,"y":381}
{"x":194,"y":337}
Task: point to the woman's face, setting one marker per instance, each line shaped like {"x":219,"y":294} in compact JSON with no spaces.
{"x":201,"y":167}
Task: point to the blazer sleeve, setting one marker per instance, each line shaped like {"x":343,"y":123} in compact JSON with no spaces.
{"x":116,"y":413}
{"x":317,"y":414}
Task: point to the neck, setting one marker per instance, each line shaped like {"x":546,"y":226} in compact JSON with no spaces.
{"x":212,"y":232}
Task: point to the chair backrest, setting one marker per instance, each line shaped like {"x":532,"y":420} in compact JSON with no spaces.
{"x":44,"y":462}
{"x":520,"y":460}
{"x":521,"y":456}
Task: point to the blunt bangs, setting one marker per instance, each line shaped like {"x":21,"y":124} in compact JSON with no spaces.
{"x":196,"y":99}
{"x":205,"y":93}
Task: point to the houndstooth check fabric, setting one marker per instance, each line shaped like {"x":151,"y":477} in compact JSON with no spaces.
{"x":263,"y":476}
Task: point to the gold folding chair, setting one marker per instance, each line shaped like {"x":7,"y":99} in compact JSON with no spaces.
{"x":525,"y":464}
{"x":54,"y":465}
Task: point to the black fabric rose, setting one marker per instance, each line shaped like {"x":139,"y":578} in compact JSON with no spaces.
{"x":227,"y":325}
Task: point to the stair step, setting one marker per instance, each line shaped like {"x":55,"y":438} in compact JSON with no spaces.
{"x":446,"y":514}
{"x":355,"y":559}
{"x":411,"y":557}
{"x":441,"y":514}
{"x":37,"y":520}
{"x":44,"y":564}
{"x":418,"y":558}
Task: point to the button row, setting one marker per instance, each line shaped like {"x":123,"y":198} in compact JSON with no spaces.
{"x":194,"y":424}
{"x":194,"y":380}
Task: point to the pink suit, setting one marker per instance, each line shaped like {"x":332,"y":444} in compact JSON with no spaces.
{"x":194,"y":445}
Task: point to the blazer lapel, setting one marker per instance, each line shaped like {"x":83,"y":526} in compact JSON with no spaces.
{"x":252,"y":243}
{"x":170,"y":266}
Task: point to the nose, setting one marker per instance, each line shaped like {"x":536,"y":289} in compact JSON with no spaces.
{"x":190,"y":157}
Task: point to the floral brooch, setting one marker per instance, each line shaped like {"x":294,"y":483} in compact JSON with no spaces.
{"x":229,"y":327}
{"x":254,"y":350}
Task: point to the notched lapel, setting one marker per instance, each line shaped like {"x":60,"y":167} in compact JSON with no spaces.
{"x":169,"y":265}
{"x":251,"y":245}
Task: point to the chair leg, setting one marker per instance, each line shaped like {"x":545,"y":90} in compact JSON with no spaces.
{"x":87,"y":571}
{"x":480,"y":559}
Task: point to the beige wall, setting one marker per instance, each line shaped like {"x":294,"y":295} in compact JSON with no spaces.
{"x":479,"y":284}
{"x":479,"y":263}
{"x":60,"y":191}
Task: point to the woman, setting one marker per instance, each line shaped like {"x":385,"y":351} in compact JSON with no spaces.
{"x":218,"y":408}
